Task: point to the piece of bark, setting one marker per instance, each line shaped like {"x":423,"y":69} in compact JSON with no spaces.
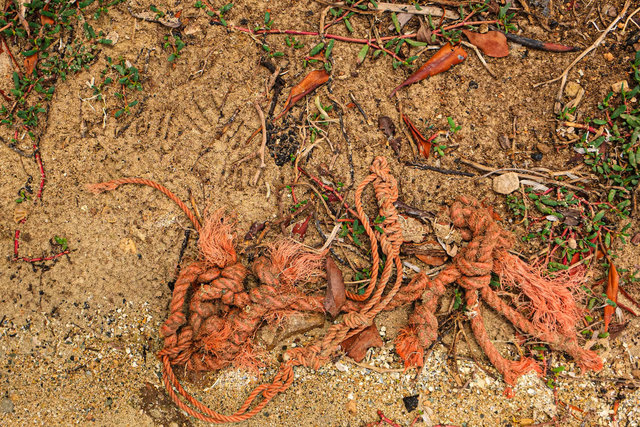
{"x":356,"y":347}
{"x":335,"y":297}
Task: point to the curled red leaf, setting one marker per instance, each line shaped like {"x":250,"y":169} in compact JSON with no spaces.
{"x":310,"y":83}
{"x":424,"y":146}
{"x":445,"y":58}
{"x":356,"y":347}
{"x":612,"y":293}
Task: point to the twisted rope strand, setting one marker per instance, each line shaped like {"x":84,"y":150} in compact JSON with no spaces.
{"x":112,"y":185}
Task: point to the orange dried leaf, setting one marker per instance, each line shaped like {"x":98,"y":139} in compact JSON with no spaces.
{"x":30,"y":63}
{"x":46,"y":19}
{"x":310,"y":83}
{"x":445,"y":58}
{"x":612,"y":293}
{"x":431,"y":260}
{"x":424,"y":146}
{"x":492,"y":43}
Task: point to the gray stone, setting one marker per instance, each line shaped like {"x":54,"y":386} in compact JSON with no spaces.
{"x":6,"y":405}
{"x":617,"y":86}
{"x":572,"y":89}
{"x":506,"y":183}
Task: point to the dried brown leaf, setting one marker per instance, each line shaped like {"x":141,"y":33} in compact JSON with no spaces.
{"x":432,"y":260}
{"x":335,"y":297}
{"x":424,"y":33}
{"x":357,"y":346}
{"x":30,"y":63}
{"x":310,"y":83}
{"x":492,"y":43}
{"x":385,"y":124}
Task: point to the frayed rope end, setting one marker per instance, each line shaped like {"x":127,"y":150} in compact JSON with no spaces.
{"x":101,"y":187}
{"x":409,"y":349}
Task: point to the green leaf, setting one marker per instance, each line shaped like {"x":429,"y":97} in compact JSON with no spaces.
{"x":632,"y":121}
{"x":415,"y":43}
{"x":396,"y":24}
{"x":599,"y":216}
{"x":363,"y":53}
{"x":316,"y":49}
{"x":347,"y":24}
{"x":327,"y":53}
{"x":621,"y":109}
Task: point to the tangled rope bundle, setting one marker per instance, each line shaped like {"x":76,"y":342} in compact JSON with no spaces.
{"x":213,"y":316}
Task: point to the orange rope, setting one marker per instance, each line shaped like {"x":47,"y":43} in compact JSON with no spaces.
{"x":112,"y":185}
{"x":213,"y":316}
{"x":184,"y":337}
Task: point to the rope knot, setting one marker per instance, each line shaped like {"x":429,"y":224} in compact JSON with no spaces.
{"x":356,"y":320}
{"x":473,"y":268}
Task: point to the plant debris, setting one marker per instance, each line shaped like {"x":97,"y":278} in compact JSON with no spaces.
{"x":445,"y":58}
{"x":311,"y":82}
{"x":492,"y":43}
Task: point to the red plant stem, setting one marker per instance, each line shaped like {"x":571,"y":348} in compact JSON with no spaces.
{"x":16,"y":238}
{"x":335,"y":21}
{"x":349,"y":39}
{"x":16,"y":245}
{"x":15,"y":63}
{"x":16,"y":242}
{"x":43,"y":176}
{"x":624,"y":307}
{"x":629,"y":297}
{"x":387,"y":420}
{"x":328,"y":188}
{"x":42,"y":259}
{"x":434,"y":136}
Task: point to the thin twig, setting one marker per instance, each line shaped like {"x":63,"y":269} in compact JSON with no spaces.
{"x":484,"y":168}
{"x":375,"y":368}
{"x":440,"y":170}
{"x":481,"y":58}
{"x":629,"y":19}
{"x":584,"y":53}
{"x":423,"y":10}
{"x":264,"y":142}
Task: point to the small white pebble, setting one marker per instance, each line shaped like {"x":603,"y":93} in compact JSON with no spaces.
{"x":341,"y":367}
